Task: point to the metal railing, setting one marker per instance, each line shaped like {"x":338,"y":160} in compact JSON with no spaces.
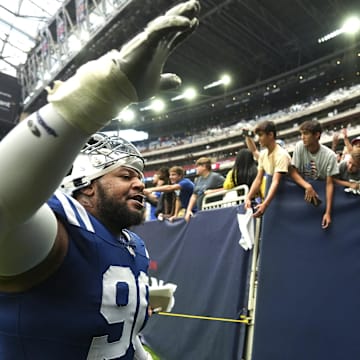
{"x":232,"y":197}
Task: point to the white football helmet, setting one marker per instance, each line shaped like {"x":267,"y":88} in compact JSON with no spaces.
{"x":100,"y":155}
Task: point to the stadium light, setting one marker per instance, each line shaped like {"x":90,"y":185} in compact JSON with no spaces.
{"x":74,"y":43}
{"x":84,"y":36}
{"x":157,"y":105}
{"x":96,"y":20}
{"x":188,"y":94}
{"x":127,"y":115}
{"x":350,"y":26}
{"x":224,"y":80}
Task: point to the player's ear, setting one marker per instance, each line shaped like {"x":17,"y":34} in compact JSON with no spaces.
{"x":89,"y":190}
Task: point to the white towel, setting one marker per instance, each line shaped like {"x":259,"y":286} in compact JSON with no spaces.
{"x":247,"y":230}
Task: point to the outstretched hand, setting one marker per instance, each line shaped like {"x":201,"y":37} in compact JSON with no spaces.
{"x":142,"y":59}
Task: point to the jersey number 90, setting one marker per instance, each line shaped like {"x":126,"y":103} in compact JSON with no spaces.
{"x":132,"y":319}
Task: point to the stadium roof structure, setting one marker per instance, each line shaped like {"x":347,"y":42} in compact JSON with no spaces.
{"x":256,"y":42}
{"x":20,"y":24}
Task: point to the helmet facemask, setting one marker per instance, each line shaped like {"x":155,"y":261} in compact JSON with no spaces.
{"x":100,"y":155}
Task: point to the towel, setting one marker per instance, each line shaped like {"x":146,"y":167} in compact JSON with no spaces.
{"x":247,"y":230}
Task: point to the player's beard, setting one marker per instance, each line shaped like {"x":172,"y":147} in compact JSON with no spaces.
{"x":116,"y":214}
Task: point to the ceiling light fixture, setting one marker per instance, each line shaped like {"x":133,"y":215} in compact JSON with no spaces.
{"x":224,"y":80}
{"x":350,"y":26}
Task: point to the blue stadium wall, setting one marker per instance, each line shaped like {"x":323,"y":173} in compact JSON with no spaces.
{"x":205,"y":261}
{"x":308,"y":291}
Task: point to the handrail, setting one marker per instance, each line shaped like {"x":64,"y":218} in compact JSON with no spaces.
{"x":231,"y":197}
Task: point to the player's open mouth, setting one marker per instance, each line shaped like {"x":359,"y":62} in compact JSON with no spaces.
{"x":139,"y":199}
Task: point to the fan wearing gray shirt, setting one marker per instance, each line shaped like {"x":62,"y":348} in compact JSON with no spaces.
{"x":207,"y":180}
{"x":314,"y":161}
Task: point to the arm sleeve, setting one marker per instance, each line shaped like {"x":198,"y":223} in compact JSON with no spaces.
{"x":283,"y":162}
{"x":34,"y":158}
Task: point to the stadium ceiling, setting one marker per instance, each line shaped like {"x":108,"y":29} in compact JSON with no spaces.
{"x":20,"y":23}
{"x":251,"y":40}
{"x":255,"y":40}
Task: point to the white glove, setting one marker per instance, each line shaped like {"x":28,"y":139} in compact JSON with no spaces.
{"x":101,"y":88}
{"x":161,"y":296}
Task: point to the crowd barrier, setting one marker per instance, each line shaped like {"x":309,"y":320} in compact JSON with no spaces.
{"x":307,"y":294}
{"x":211,"y":271}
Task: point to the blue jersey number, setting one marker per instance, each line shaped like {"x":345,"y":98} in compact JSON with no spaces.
{"x":132,"y":321}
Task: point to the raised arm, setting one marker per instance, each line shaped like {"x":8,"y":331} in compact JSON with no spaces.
{"x":250,"y":143}
{"x":346,"y":140}
{"x":37,"y":154}
{"x":164,"y":188}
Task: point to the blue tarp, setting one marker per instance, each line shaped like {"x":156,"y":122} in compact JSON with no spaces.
{"x":308,"y":287}
{"x":211,"y":271}
{"x":309,"y":292}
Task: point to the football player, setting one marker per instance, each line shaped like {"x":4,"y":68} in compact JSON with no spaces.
{"x":73,"y":279}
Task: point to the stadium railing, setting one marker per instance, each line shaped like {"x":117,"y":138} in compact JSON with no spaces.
{"x":232,"y":197}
